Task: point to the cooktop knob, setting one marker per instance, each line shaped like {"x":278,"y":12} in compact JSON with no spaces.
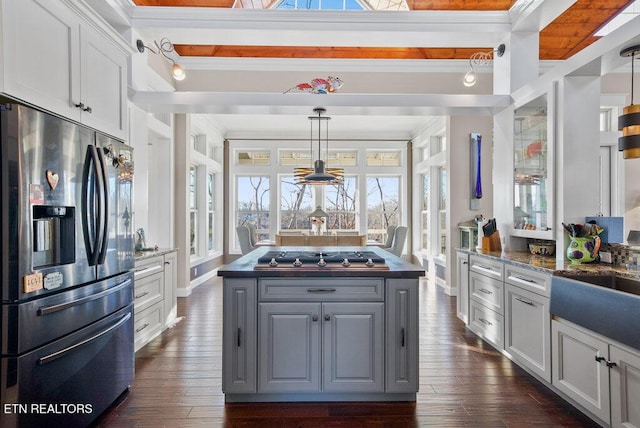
{"x":346,"y":263}
{"x":273,"y":262}
{"x":297,"y":263}
{"x":321,"y":262}
{"x":370,"y":263}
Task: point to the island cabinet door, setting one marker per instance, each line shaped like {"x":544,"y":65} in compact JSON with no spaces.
{"x":239,"y":365}
{"x":352,"y":339}
{"x":402,"y":335}
{"x":579,"y":368}
{"x":625,"y":387}
{"x":289,"y":344}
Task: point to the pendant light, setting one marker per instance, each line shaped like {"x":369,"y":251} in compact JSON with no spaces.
{"x":319,"y":173}
{"x":629,"y":121}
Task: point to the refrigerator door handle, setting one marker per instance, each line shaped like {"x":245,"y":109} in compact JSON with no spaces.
{"x":104,"y":221}
{"x":61,"y":353}
{"x":89,"y":178}
{"x":45,"y":310}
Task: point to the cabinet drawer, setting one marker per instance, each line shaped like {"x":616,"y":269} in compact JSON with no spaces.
{"x":148,"y":267}
{"x":487,"y":291}
{"x":321,"y":289}
{"x":148,"y":324}
{"x":531,"y":280}
{"x":148,"y":291}
{"x":487,"y":324}
{"x":486,"y":266}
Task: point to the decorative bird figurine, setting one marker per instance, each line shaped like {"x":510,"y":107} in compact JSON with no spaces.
{"x":318,"y":86}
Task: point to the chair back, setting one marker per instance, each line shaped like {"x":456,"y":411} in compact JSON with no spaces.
{"x":391,"y":230}
{"x":399,"y":238}
{"x":348,"y":233}
{"x":244,"y":238}
{"x":253,"y":233}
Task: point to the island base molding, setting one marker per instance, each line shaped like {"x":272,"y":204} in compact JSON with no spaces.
{"x":318,"y":397}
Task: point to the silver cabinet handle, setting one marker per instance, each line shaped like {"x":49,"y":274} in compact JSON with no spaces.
{"x":139,"y":329}
{"x":321,"y":290}
{"x":522,"y":279}
{"x":485,"y":291}
{"x":484,"y":321}
{"x":141,"y":294}
{"x":526,"y":302}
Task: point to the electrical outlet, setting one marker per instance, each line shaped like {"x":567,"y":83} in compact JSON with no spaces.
{"x":195,"y":271}
{"x":605,"y":257}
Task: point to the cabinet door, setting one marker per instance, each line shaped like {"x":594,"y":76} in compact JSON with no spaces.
{"x":576,"y":371}
{"x":527,"y":334}
{"x":462,"y":275}
{"x":239,"y":347}
{"x":352,"y":339}
{"x":402,"y":335}
{"x":41,"y":54}
{"x":625,"y":388}
{"x":103,"y":84}
{"x":170,"y":284}
{"x":289,"y":357}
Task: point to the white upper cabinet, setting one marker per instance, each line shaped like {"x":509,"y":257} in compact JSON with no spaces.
{"x":54,"y":59}
{"x":533,"y":169}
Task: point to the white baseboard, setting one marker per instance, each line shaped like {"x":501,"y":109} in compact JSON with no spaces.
{"x":186,"y":291}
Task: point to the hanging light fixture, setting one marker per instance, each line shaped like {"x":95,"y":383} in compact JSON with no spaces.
{"x":319,"y":173}
{"x":629,"y":121}
{"x":164,"y":47}
{"x":480,"y":59}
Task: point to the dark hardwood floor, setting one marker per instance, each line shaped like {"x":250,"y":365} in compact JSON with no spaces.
{"x":463,"y":381}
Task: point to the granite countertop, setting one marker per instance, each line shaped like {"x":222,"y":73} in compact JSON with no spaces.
{"x":143,"y":255}
{"x":244,"y":266}
{"x":556,"y":267}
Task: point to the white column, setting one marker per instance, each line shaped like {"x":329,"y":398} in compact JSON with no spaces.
{"x":182,"y":129}
{"x":519,"y":64}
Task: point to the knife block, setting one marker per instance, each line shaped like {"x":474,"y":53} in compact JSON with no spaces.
{"x":491,"y":242}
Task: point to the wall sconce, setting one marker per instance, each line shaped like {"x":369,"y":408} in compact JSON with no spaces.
{"x":629,"y":121}
{"x":479,"y":59}
{"x":164,"y":47}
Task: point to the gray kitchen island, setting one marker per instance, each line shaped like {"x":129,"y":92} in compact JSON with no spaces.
{"x":320,"y":324}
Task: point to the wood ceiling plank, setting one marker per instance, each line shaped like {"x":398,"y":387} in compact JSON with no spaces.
{"x":460,"y":4}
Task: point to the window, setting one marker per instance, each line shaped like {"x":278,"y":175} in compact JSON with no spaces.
{"x":210,"y":211}
{"x":193,"y":210}
{"x":605,"y":120}
{"x":253,"y":203}
{"x":296,"y":202}
{"x":442,"y":210}
{"x":383,"y":205}
{"x":340,"y":204}
{"x":425,"y":211}
{"x":320,"y":5}
{"x":253,"y":157}
{"x":383,"y":158}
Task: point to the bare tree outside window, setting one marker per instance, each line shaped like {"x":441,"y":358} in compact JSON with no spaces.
{"x":383,"y":205}
{"x":340,"y":204}
{"x":296,"y":202}
{"x":253,"y":203}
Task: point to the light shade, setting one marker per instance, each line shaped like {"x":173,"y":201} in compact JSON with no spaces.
{"x":178,"y":72}
{"x":629,"y":121}
{"x":318,"y":213}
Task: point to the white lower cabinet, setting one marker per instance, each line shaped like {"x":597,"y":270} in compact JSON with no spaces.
{"x":462,"y":275}
{"x":527,"y":334}
{"x":600,"y":376}
{"x":154,"y":296}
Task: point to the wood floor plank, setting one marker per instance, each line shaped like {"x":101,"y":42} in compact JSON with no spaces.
{"x":464,"y":382}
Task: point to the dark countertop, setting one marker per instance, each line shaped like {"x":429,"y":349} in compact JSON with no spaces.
{"x":555,"y":267}
{"x":244,"y":266}
{"x":143,"y":255}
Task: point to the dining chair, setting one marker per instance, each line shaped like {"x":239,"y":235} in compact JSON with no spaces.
{"x":253,"y":233}
{"x":391,"y":230}
{"x":244,"y":238}
{"x":399,"y":238}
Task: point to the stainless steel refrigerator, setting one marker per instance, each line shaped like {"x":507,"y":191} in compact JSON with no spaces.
{"x":67,"y":349}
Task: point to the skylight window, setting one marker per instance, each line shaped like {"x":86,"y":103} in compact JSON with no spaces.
{"x":620,"y":19}
{"x":341,"y":4}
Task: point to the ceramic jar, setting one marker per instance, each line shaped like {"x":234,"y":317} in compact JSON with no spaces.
{"x":584,"y":249}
